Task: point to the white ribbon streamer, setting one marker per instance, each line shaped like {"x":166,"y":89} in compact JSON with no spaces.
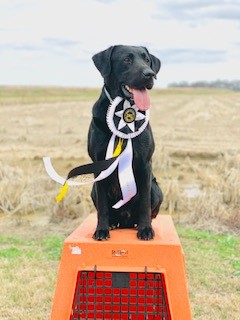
{"x":57,"y":178}
{"x":125,"y":172}
{"x":125,"y":175}
{"x":110,"y":147}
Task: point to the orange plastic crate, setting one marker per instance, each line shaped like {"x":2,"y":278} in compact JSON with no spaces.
{"x":122,"y":278}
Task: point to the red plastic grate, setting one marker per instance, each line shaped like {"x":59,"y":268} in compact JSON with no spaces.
{"x":120,"y":295}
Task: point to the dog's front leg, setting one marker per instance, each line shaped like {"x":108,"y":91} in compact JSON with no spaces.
{"x":145,"y":230}
{"x":101,"y":203}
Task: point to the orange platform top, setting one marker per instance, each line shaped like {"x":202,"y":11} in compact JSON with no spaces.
{"x":165,"y":232}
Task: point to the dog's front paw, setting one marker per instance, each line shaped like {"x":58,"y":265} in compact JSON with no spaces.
{"x":146,"y":233}
{"x":101,"y":234}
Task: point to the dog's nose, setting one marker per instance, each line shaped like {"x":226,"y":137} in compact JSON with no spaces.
{"x":148,"y":73}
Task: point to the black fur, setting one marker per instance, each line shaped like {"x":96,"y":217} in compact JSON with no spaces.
{"x":135,"y":67}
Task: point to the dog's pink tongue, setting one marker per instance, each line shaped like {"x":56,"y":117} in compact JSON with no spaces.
{"x":141,"y":99}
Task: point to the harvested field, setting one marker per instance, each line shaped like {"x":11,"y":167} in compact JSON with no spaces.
{"x":197,"y":157}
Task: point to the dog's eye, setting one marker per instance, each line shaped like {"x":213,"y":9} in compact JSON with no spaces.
{"x":127,"y":60}
{"x":147,"y":59}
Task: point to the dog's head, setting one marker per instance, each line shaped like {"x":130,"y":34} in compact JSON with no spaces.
{"x":128,"y":71}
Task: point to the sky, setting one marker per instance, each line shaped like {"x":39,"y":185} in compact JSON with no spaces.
{"x":51,"y":42}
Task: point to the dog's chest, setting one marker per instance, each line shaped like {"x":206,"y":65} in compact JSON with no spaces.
{"x":143,"y":147}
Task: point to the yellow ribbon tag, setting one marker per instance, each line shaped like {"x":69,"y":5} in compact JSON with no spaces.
{"x":118,"y":149}
{"x":63,"y":192}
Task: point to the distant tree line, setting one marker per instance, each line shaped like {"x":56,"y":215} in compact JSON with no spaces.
{"x":220,"y":84}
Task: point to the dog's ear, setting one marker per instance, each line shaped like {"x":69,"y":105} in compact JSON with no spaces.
{"x":102,"y":61}
{"x":155,"y":62}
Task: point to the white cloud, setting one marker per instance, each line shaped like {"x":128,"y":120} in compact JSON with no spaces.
{"x":52,"y":42}
{"x":199,"y":9}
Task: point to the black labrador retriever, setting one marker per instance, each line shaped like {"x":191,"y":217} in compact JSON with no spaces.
{"x":128,"y":71}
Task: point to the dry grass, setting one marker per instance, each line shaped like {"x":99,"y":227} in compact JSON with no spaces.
{"x":21,"y":303}
{"x":213,"y":269}
{"x":197,"y":163}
